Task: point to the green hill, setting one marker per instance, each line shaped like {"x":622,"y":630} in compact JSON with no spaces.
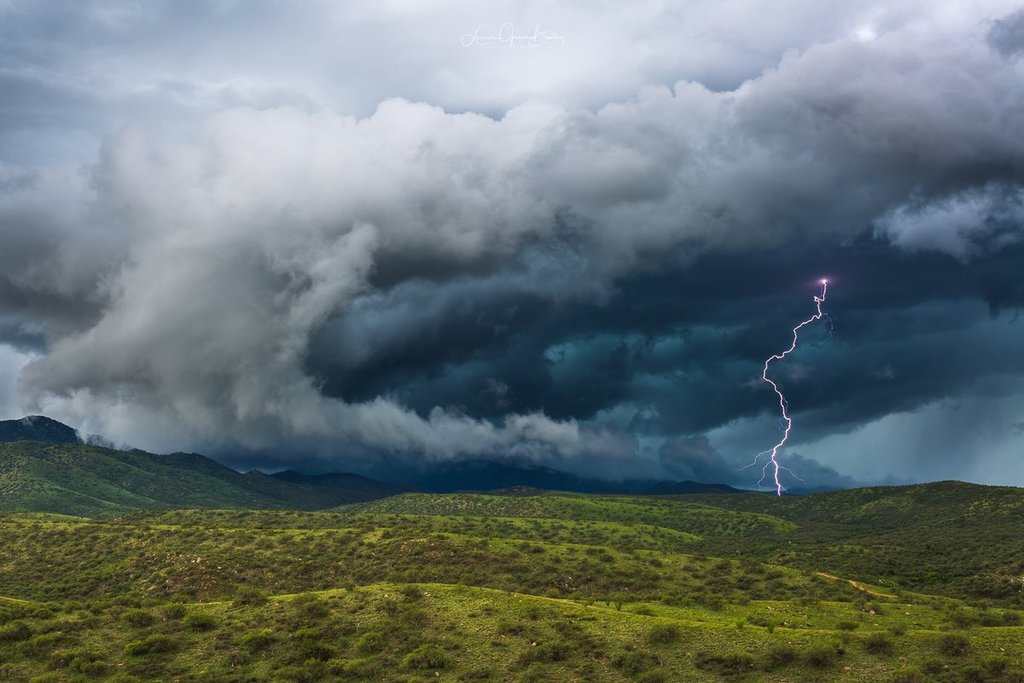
{"x":469,"y":587}
{"x":694,"y":518}
{"x":77,"y":479}
{"x":177,"y":568}
{"x":948,"y":537}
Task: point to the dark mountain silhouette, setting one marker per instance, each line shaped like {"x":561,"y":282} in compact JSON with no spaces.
{"x":663,"y":488}
{"x":37,"y":428}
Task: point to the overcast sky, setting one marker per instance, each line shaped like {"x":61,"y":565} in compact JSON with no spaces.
{"x":330,"y":235}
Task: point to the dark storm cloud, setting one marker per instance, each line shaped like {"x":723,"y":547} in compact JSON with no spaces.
{"x":1007,"y":34}
{"x":559,"y":280}
{"x":686,"y":341}
{"x":693,"y":458}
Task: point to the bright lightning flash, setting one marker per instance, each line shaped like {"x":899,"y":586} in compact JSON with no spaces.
{"x":773,"y":452}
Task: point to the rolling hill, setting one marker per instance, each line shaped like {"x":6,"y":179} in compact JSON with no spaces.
{"x":471,"y":587}
{"x":174,"y":567}
{"x":78,"y":479}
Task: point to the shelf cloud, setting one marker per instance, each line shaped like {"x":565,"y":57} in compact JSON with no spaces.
{"x":575,"y":255}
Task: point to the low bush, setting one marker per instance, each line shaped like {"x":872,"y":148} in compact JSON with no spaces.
{"x":371,"y":642}
{"x":907,"y":675}
{"x":156,"y":643}
{"x":249,"y":597}
{"x":727,"y":664}
{"x":662,"y":634}
{"x":954,"y":645}
{"x":878,"y":644}
{"x":197,"y":621}
{"x":139,"y":618}
{"x":258,"y":641}
{"x":779,"y":656}
{"x":14,"y":632}
{"x":635,"y":662}
{"x":427,"y":657}
{"x":550,"y":651}
{"x":823,"y":656}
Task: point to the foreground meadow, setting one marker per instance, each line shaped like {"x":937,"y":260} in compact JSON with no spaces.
{"x":538,"y":587}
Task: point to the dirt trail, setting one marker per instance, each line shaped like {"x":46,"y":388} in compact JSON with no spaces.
{"x":17,"y":600}
{"x":858,"y":585}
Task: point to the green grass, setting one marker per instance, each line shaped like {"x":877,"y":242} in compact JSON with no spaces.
{"x":554,"y":587}
{"x":948,"y":538}
{"x":691,"y":517}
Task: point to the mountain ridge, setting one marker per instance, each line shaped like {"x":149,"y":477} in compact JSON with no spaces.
{"x":37,"y":428}
{"x":86,"y":480}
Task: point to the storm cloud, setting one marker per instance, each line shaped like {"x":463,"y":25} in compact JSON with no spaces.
{"x":585,"y":270}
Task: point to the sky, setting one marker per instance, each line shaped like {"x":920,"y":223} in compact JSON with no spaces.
{"x":360,"y":235}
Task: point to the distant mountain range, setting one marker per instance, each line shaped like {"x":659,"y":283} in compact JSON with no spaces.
{"x":45,"y":467}
{"x":486,"y":475}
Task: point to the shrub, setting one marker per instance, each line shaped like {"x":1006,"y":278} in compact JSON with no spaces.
{"x":728,"y":664}
{"x":49,"y":677}
{"x":308,"y":634}
{"x":139,"y":618}
{"x":780,"y":656}
{"x":156,"y":643}
{"x":426,"y":657}
{"x":535,"y":673}
{"x":317,"y":652}
{"x":42,"y":644}
{"x":996,"y":666}
{"x":477,"y":675}
{"x":975,"y":674}
{"x":197,"y":621}
{"x":823,"y":656}
{"x":411,"y":593}
{"x":954,"y":645}
{"x":257,"y":641}
{"x":550,"y":651}
{"x":15,"y":631}
{"x":371,"y":642}
{"x":249,"y":597}
{"x":878,"y":644}
{"x":80,"y":660}
{"x":634,"y":662}
{"x":175,"y":611}
{"x":122,"y":677}
{"x":661,"y":634}
{"x":309,"y":672}
{"x":360,"y":669}
{"x":91,"y":664}
{"x":510,"y":628}
{"x":908,"y":675}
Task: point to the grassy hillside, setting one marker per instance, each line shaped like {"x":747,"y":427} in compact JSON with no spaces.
{"x":76,"y":479}
{"x":693,"y":517}
{"x":469,"y":587}
{"x":946,"y":537}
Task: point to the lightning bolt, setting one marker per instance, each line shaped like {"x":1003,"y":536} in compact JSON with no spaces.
{"x":787,"y":422}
